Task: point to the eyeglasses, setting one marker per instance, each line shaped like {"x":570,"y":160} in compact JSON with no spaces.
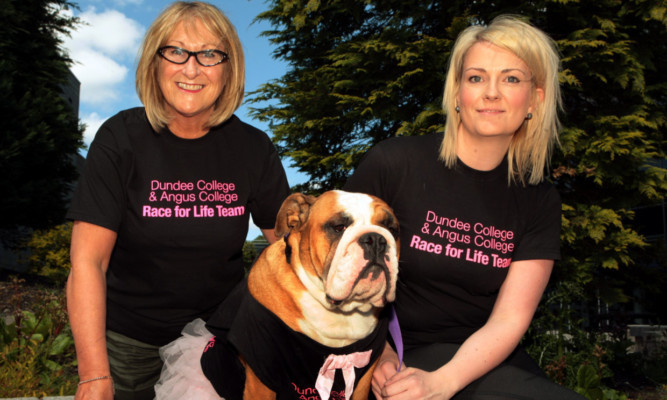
{"x":206,"y":58}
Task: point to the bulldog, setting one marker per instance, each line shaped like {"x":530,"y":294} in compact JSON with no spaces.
{"x":327,"y":279}
{"x":309,"y":323}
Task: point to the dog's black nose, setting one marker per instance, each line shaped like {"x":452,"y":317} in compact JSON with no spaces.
{"x":374,"y":245}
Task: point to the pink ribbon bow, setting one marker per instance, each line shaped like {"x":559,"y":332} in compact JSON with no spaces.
{"x":346,"y":363}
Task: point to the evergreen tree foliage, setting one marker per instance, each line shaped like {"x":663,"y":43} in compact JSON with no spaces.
{"x":360,"y":72}
{"x":613,"y":141}
{"x":364,"y":70}
{"x":40,"y":133}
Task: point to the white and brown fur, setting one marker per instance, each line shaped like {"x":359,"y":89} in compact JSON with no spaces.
{"x":331,"y":274}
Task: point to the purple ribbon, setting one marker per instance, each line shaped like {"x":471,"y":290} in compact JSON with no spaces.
{"x":395,"y":332}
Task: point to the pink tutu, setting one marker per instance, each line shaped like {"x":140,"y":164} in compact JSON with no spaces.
{"x":182,"y":377}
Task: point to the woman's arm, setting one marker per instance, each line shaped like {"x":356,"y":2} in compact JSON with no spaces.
{"x":512,"y":313}
{"x":90,"y":253}
{"x":270,"y":235}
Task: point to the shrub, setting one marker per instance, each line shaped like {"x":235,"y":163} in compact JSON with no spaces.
{"x":249,"y":255}
{"x":48,"y":253}
{"x":570,"y":355}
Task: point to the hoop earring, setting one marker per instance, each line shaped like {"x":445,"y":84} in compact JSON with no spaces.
{"x":458,"y":109}
{"x":529,"y":116}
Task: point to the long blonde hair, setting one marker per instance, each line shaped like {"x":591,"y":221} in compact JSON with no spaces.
{"x":218,"y":24}
{"x":531,"y":146}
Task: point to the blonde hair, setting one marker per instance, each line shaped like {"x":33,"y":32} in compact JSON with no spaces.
{"x":218,"y":24}
{"x":531,"y":146}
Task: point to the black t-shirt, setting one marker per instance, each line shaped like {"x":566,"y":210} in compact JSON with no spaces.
{"x":286,"y":361}
{"x":460,"y":229}
{"x":181,"y":210}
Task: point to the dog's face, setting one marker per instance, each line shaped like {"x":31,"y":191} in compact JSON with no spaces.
{"x":343,"y":248}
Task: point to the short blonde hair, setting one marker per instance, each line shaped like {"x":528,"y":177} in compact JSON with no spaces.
{"x":531,"y":146}
{"x":218,"y":24}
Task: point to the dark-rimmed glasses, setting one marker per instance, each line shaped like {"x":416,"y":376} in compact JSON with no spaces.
{"x":205,"y":58}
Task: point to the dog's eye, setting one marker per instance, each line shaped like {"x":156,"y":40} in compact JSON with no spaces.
{"x":339,"y":228}
{"x":337,"y":225}
{"x":392,"y":227}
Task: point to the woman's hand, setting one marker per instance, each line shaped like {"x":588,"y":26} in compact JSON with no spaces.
{"x":414,"y":384}
{"x":96,"y":390}
{"x":386,"y":368}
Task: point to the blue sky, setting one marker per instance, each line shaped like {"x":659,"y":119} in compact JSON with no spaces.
{"x":105,"y":50}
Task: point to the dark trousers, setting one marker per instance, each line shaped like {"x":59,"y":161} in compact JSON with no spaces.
{"x":135,"y":367}
{"x":518,"y":377}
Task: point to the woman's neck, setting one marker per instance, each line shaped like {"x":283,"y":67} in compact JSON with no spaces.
{"x":482,"y":153}
{"x":188,"y":128}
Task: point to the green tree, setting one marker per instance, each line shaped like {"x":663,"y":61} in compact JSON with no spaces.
{"x":364,"y":70}
{"x":360,"y":71}
{"x":40,"y":133}
{"x":613,"y":139}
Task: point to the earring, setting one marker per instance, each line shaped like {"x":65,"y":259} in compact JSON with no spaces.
{"x":529,"y":116}
{"x":458,"y":109}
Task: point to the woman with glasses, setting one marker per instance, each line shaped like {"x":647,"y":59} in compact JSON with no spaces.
{"x":162,"y":209}
{"x":480,"y":225}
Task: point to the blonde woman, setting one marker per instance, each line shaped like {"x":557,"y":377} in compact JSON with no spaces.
{"x":162,"y":209}
{"x":479,"y":225}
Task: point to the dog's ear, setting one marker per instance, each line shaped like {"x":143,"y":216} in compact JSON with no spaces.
{"x":293,"y":213}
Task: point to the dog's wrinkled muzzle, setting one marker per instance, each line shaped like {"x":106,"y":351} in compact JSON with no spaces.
{"x":363,"y":269}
